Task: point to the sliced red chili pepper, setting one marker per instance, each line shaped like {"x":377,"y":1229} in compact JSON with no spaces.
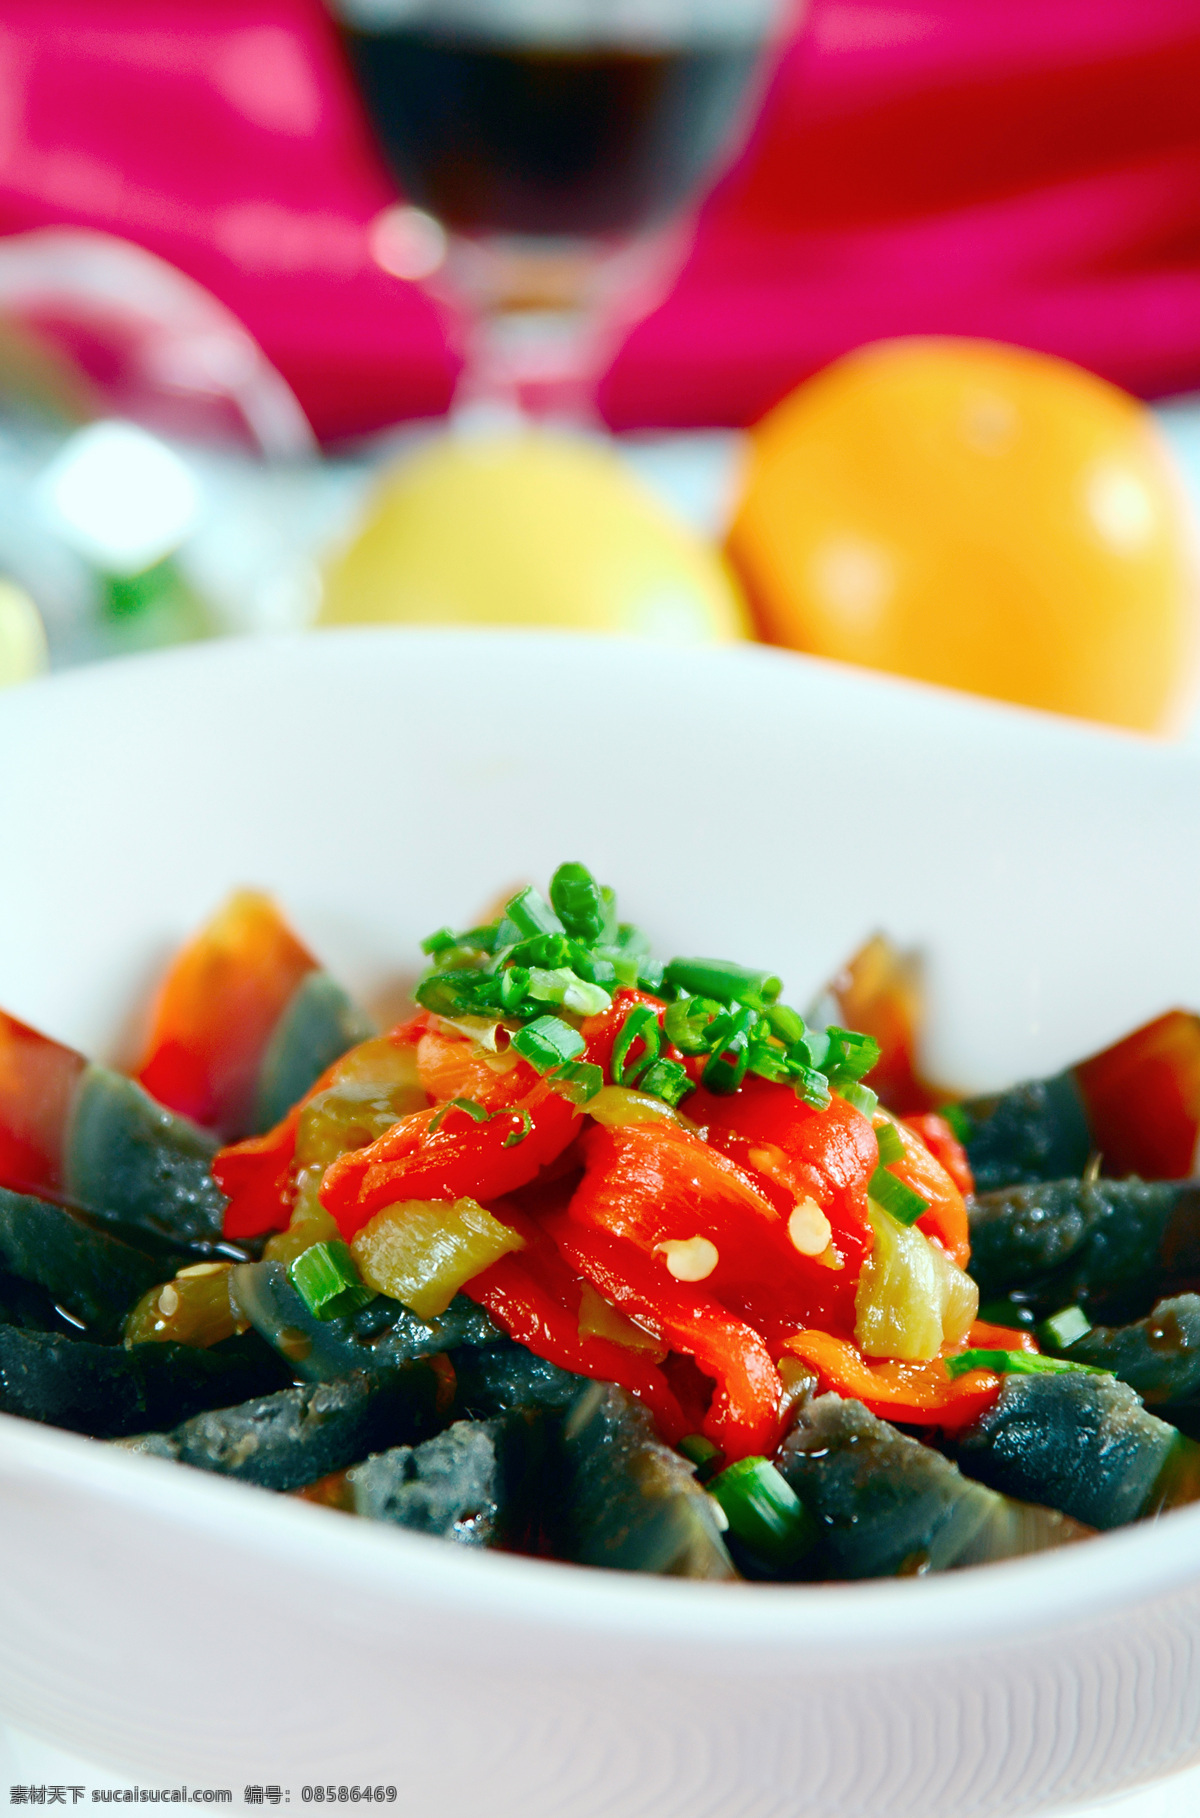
{"x":535,"y":1297}
{"x":829,"y":1155}
{"x":457,"y":1159}
{"x":658,"y":1183}
{"x":744,"y":1415}
{"x":944,"y":1147}
{"x":920,"y":1394}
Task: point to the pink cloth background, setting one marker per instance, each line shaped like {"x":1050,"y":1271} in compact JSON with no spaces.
{"x":1025,"y":169}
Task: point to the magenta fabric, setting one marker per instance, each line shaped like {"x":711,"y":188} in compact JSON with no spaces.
{"x":1028,"y":169}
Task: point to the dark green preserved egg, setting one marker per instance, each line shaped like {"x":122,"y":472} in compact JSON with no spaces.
{"x":1080,"y":1443}
{"x":286,"y":1440}
{"x":500,"y":1378}
{"x":884,"y":1503}
{"x":91,"y":1274}
{"x":1112,"y":1246}
{"x":132,"y":1163}
{"x":1158,"y":1356}
{"x":376,"y":1337}
{"x":625,"y":1500}
{"x":107,"y":1391}
{"x":1035,"y":1131}
{"x":319,"y":1024}
{"x":472,"y":1484}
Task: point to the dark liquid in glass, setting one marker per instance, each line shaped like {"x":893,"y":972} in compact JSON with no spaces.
{"x":507,"y":138}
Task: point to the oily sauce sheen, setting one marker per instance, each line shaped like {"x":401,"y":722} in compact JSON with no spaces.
{"x":509,"y":138}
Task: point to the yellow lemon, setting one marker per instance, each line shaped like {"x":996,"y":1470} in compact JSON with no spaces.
{"x":530,"y":529}
{"x":979,"y":516}
{"x":22,"y":638}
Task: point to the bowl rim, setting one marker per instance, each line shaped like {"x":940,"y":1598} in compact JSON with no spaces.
{"x":1009,"y":1601}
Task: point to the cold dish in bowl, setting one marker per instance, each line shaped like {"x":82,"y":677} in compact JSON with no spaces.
{"x":609,"y":1260}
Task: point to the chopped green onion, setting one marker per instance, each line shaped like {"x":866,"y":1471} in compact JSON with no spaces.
{"x":1064,"y":1327}
{"x":547,"y":1042}
{"x":576,"y":896}
{"x":702,"y":1453}
{"x":764,"y":1511}
{"x":1006,"y":1313}
{"x":650,"y":976}
{"x":856,"y":1094}
{"x":890,"y":1192}
{"x":767,"y":1058}
{"x":325,"y":1278}
{"x":521,"y":1132}
{"x":460,"y":993}
{"x":686,"y":1023}
{"x":1017,"y":1363}
{"x":891,"y":1144}
{"x":608,"y":899}
{"x":723,"y":980}
{"x":531,"y":914}
{"x":960,"y":1121}
{"x":562,"y":987}
{"x":631,"y":940}
{"x":726,"y":1069}
{"x":786,"y":1023}
{"x":849,"y":1052}
{"x":484,"y":938}
{"x":813,"y":1046}
{"x":542,"y":950}
{"x":437,"y":942}
{"x":667,"y":1080}
{"x":812,"y":1086}
{"x":577,"y":1081}
{"x":591,"y":967}
{"x":514,"y":986}
{"x":640,"y":1025}
{"x":469,"y":1105}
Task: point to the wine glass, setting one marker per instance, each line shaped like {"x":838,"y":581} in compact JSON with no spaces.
{"x":549,"y":151}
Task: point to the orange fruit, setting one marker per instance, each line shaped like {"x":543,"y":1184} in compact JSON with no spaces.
{"x":979,"y":516}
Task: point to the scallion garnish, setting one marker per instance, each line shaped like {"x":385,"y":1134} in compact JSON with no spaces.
{"x":786,"y":1023}
{"x":531,"y":914}
{"x":542,"y":950}
{"x":524,"y":1126}
{"x":576,"y":896}
{"x":476,"y":1112}
{"x":764,"y":1511}
{"x":725,"y":1070}
{"x":702,"y":1453}
{"x":1017,"y":1363}
{"x":686,"y":1023}
{"x":641,"y":1025}
{"x":439,"y":941}
{"x":856,"y":1094}
{"x":890,"y":1192}
{"x":562,"y":986}
{"x":667,"y":1080}
{"x":721,"y":979}
{"x":570,"y":955}
{"x":547,"y":1042}
{"x":1064,"y":1327}
{"x":849,"y":1053}
{"x":891,"y":1144}
{"x":577,"y":1081}
{"x":325,"y":1278}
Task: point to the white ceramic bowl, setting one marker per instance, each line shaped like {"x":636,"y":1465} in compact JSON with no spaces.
{"x":744,"y":802}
